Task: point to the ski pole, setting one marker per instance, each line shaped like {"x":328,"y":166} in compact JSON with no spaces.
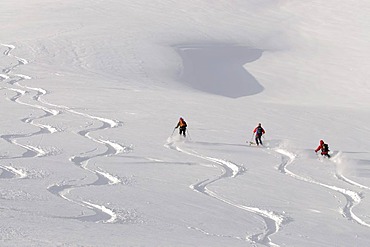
{"x":251,"y":141}
{"x":173,"y":131}
{"x":188,"y":133}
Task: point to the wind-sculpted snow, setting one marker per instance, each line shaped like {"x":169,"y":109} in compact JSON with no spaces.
{"x":273,"y":220}
{"x":218,"y":69}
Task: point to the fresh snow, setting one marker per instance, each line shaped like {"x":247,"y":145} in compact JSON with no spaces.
{"x":91,"y":92}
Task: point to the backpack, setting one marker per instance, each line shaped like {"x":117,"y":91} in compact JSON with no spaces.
{"x":325,"y":148}
{"x":259,"y":131}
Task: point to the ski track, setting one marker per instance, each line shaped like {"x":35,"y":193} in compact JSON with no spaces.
{"x":13,"y":79}
{"x":12,"y":172}
{"x":340,"y":176}
{"x":273,"y":221}
{"x":102,"y":213}
{"x":353,"y":198}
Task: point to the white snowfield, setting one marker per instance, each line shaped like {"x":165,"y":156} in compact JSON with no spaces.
{"x":90,"y":93}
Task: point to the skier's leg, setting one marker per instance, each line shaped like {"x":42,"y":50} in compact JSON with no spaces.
{"x":182,"y":131}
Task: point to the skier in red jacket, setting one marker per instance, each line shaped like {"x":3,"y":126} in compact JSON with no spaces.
{"x":324,"y":149}
{"x":259,"y":131}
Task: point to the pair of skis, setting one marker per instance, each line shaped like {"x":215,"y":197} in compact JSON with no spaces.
{"x":253,"y":144}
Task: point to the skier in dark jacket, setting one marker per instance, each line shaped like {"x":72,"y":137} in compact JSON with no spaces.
{"x":258,"y":131}
{"x":182,"y":124}
{"x":324,"y":149}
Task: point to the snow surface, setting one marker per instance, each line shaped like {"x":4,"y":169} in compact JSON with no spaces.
{"x":91,"y":92}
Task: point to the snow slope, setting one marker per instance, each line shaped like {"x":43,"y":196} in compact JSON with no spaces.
{"x":91,"y":92}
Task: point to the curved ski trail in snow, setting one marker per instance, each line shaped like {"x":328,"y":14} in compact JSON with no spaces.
{"x":102,"y":213}
{"x":337,"y":160}
{"x":13,"y":80}
{"x":273,"y":221}
{"x":12,"y":172}
{"x":353,"y":198}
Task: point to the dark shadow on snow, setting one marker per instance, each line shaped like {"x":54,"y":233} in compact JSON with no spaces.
{"x":218,"y":69}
